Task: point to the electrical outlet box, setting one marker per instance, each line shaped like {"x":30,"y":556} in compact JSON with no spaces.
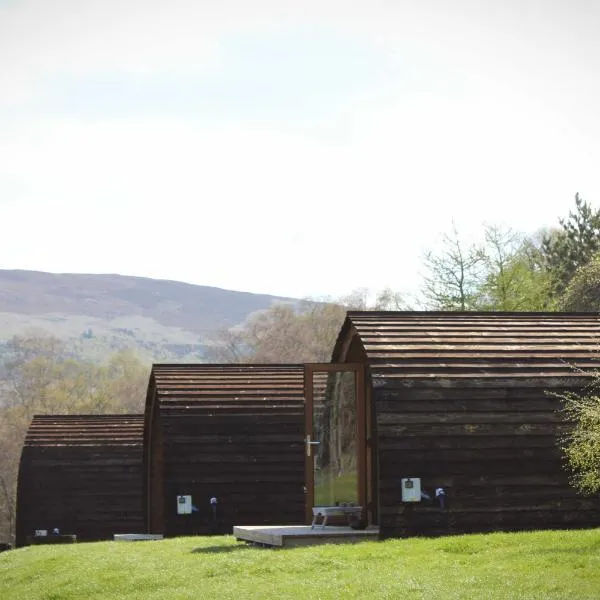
{"x":184,"y":505}
{"x":411,"y":489}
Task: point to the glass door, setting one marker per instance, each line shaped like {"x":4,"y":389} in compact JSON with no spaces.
{"x":335,"y":436}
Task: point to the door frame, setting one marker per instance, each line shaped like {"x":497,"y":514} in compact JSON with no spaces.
{"x":359,"y":381}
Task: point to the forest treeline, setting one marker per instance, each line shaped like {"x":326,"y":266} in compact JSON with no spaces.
{"x":556,"y":269}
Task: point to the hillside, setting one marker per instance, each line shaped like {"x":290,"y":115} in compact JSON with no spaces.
{"x":100,"y":313}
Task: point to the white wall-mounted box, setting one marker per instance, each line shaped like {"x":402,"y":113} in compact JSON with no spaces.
{"x":184,"y":505}
{"x":411,"y":489}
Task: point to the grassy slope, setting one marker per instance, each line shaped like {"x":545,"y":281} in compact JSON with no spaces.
{"x":520,"y":566}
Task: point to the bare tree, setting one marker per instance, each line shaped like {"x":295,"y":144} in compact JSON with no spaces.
{"x":305,"y":332}
{"x":454,"y":274}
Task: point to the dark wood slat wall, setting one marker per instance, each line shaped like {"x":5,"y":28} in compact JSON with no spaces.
{"x":461,"y":401}
{"x":81,"y":474}
{"x":496,"y":457}
{"x":234,"y":432}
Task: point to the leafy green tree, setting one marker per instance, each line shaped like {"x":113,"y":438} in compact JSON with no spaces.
{"x":516,"y":279}
{"x":573,"y":245}
{"x":507,"y":271}
{"x":583,"y":291}
{"x":581,"y":445}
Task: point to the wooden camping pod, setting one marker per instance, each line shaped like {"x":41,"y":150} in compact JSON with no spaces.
{"x":82,"y":475}
{"x":229,"y":432}
{"x":466,"y":402}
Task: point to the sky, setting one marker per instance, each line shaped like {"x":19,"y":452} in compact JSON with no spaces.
{"x":304,"y":148}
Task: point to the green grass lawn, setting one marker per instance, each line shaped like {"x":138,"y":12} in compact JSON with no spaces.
{"x":546,"y":565}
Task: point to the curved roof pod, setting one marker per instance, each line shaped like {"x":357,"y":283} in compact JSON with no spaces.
{"x":81,"y":474}
{"x":230,"y":432}
{"x":467,"y":402}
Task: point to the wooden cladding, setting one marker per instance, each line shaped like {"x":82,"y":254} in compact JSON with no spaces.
{"x":496,"y":457}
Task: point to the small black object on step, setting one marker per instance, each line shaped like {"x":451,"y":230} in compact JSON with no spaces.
{"x":356,"y":523}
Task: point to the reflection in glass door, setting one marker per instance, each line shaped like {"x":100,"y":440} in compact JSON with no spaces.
{"x":334,"y":427}
{"x":335,"y":436}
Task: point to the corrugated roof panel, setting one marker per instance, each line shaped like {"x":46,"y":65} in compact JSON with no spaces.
{"x":423,"y":345}
{"x":85,"y":430}
{"x":245,"y":385}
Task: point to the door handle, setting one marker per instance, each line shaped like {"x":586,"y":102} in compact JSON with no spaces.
{"x":309,"y":445}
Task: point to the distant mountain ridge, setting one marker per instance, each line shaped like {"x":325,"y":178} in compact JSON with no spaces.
{"x":154,"y":312}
